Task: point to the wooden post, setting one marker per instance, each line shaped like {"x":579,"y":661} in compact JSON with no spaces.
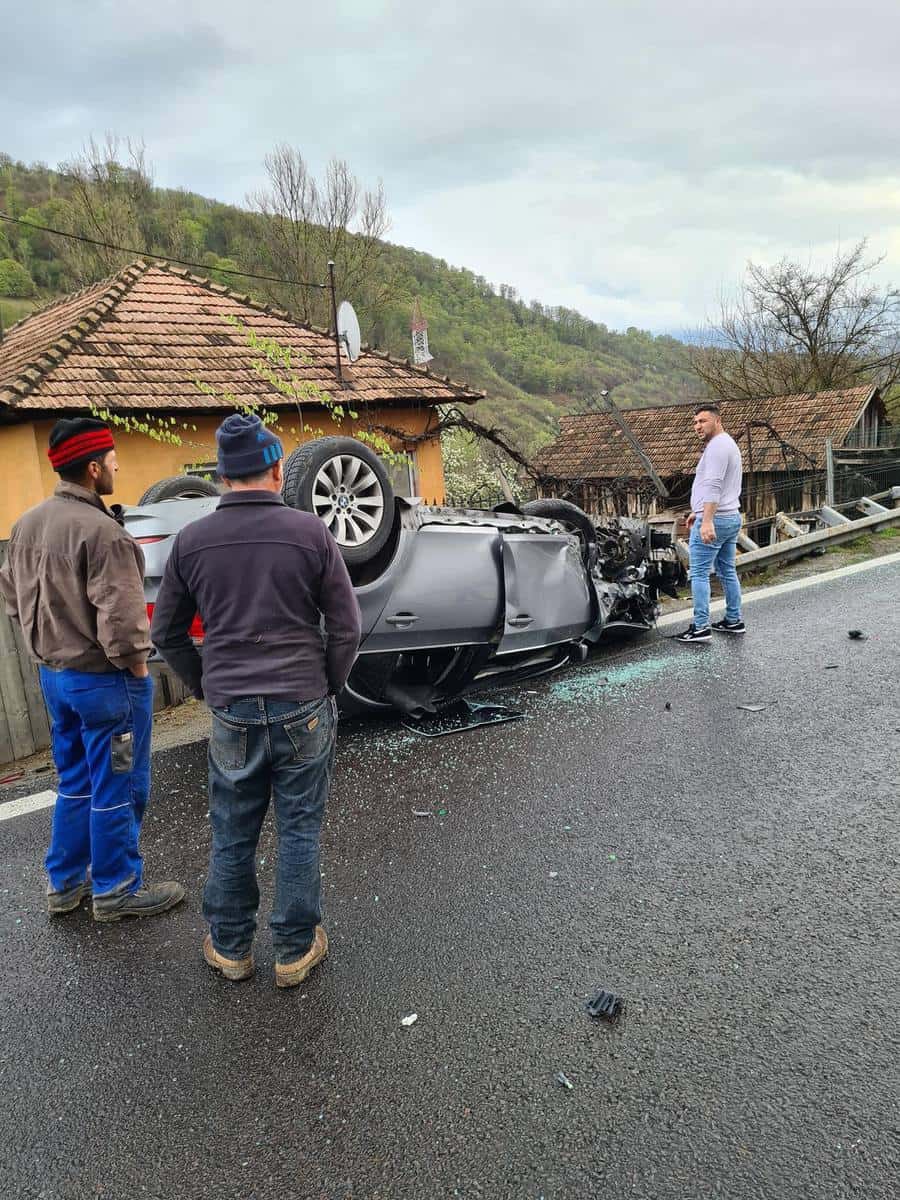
{"x":829,"y":473}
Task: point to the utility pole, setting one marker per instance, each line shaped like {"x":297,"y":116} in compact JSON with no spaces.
{"x":829,"y":473}
{"x":612,"y":408}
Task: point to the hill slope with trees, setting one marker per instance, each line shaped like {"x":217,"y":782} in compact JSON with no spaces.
{"x":533,"y":361}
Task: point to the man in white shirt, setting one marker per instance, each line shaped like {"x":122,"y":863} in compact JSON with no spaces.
{"x":714,"y":524}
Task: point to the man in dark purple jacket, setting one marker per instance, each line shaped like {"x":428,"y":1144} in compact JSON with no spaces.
{"x":282,"y":628}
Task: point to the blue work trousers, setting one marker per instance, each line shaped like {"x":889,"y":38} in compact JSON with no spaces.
{"x":101,"y":726}
{"x":263,"y":748}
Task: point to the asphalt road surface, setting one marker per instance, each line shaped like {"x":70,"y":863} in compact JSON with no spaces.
{"x":732,"y":874}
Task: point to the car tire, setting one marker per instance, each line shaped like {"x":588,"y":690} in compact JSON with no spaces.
{"x":342,"y":481}
{"x":180,"y":487}
{"x":570,"y":515}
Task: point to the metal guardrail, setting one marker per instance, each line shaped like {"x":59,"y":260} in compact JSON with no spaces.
{"x":798,"y":543}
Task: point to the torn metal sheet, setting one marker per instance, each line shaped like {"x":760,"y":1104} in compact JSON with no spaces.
{"x":461,"y":716}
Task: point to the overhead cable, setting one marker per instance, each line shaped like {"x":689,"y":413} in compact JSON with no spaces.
{"x":181,"y":262}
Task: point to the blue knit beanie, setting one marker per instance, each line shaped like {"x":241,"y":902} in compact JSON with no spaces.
{"x":246,"y":447}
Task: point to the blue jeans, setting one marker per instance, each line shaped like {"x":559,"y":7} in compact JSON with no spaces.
{"x":261,"y":748}
{"x":100,"y":729}
{"x":716,"y":556}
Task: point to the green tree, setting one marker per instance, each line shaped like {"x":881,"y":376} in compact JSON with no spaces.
{"x":15,"y":280}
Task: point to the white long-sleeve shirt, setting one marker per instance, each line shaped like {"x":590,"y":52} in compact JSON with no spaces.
{"x":719,"y":476}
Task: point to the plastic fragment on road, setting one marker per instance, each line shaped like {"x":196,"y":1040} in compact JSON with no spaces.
{"x":409,"y":1019}
{"x":668,"y":706}
{"x":460,"y":717}
{"x":605,"y":1006}
{"x":831,"y":667}
{"x":856,"y":635}
{"x":757,"y":707}
{"x":418,"y":812}
{"x":554,"y":874}
{"x":564,"y":1081}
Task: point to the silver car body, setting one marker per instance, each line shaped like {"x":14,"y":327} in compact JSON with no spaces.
{"x":461,"y":597}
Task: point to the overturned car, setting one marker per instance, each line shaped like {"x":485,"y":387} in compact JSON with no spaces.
{"x":451,"y":599}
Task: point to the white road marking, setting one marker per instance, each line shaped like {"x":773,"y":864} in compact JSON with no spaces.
{"x":26,"y":804}
{"x":780,"y":589}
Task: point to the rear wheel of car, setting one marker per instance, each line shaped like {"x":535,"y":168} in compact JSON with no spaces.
{"x":575,"y":519}
{"x":343,"y":482}
{"x":180,"y":487}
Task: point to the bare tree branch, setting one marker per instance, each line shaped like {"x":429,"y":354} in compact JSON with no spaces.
{"x":797,"y":329}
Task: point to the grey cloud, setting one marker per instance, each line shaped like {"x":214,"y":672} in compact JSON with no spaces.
{"x":618,"y":155}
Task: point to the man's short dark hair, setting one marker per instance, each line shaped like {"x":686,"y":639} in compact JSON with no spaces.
{"x":711,"y":407}
{"x":257,"y":477}
{"x":77,"y":473}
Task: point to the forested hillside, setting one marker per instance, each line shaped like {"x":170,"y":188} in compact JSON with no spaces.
{"x":532,"y":361}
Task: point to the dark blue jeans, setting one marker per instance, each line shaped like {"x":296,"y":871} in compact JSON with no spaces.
{"x":101,"y":728}
{"x":263,"y":748}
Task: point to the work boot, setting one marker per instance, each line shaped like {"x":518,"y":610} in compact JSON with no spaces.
{"x":290,"y":974}
{"x":234,"y":969}
{"x":145,"y":902}
{"x":65,"y":901}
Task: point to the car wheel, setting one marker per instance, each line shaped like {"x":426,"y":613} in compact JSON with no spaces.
{"x":343,"y":482}
{"x":180,"y":487}
{"x":575,"y":519}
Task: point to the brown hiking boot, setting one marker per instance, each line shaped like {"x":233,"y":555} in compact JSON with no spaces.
{"x":290,"y":974}
{"x":145,"y":902}
{"x":234,"y":969}
{"x":67,"y":901}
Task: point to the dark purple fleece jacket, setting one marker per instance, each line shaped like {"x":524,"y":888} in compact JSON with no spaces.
{"x":264,"y":579}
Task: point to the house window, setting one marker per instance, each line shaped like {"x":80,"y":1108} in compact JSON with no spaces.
{"x":403,"y":476}
{"x":206,"y":470}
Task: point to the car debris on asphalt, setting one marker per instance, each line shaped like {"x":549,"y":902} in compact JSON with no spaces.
{"x":856,"y":635}
{"x":564,"y":1081}
{"x":757,"y":707}
{"x":460,"y":717}
{"x":605,"y":1006}
{"x":409,"y":1019}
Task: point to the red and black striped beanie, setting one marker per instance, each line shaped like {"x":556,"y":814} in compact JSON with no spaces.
{"x":74,"y":440}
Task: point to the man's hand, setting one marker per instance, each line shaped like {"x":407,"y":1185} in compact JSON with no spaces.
{"x":692,"y":517}
{"x":140,"y":672}
{"x":707,"y":532}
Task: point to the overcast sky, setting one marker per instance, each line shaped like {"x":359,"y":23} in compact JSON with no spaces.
{"x":622,"y":158}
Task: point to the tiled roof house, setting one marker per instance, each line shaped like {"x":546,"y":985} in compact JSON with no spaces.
{"x":154,"y":339}
{"x":779,"y":437}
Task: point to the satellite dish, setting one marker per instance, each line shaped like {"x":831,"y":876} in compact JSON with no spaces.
{"x":348,"y":331}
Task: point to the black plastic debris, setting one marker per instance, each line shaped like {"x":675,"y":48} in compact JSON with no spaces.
{"x":856,"y":635}
{"x":460,"y":717}
{"x":605,"y":1006}
{"x":668,"y":706}
{"x":564,"y":1081}
{"x":831,"y":667}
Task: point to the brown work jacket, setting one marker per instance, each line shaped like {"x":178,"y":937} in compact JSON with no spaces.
{"x":74,"y":580}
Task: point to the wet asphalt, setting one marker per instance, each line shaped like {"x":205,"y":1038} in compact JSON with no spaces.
{"x":733,"y":875}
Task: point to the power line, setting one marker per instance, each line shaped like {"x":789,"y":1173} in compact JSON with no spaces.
{"x":182,"y":262}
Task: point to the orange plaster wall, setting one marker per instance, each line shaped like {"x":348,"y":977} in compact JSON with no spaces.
{"x":28,"y":477}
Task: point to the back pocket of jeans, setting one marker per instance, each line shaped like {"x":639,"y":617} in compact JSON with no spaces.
{"x":228,"y":745}
{"x":311,"y":735}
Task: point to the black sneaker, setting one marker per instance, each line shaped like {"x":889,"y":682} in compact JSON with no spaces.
{"x":692,"y":635}
{"x":726,"y":626}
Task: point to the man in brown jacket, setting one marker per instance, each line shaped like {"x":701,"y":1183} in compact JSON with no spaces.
{"x":73,"y":579}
